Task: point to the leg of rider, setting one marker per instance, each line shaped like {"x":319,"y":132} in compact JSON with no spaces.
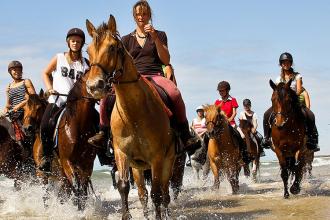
{"x":101,"y":138}
{"x":241,"y":143}
{"x":258,"y":138}
{"x":312,"y":133}
{"x":46,"y":131}
{"x":191,"y":142}
{"x":267,"y":129}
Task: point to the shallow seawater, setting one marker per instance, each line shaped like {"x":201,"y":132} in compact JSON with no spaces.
{"x":261,"y":200}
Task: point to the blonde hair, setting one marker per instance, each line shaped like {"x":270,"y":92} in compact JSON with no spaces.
{"x":71,"y":57}
{"x":144,"y":6}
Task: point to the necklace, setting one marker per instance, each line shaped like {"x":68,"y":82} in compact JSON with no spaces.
{"x":142,"y":37}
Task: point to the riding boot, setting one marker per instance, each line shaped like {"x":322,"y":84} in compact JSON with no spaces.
{"x":191,"y":143}
{"x":101,"y":138}
{"x":311,"y":130}
{"x":241,"y":144}
{"x":268,"y":118}
{"x":45,"y":162}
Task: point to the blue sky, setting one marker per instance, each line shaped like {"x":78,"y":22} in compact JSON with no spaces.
{"x":209,"y":41}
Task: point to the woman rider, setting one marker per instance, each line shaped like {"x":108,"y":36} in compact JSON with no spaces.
{"x":149,"y":50}
{"x":287,"y":73}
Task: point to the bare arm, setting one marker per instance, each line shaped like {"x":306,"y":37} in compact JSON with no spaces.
{"x":7,"y":106}
{"x":233,"y":115}
{"x":307,"y":99}
{"x":47,"y":73}
{"x":29,"y":87}
{"x":299,"y":86}
{"x":162,"y":49}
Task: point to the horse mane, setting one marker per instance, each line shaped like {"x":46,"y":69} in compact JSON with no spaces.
{"x":214,"y":110}
{"x":36,"y":99}
{"x":101,"y":32}
{"x":245,"y":124}
{"x":282,"y":90}
{"x":74,"y":94}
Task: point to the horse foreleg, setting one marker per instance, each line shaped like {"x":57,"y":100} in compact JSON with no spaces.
{"x":298,"y":172}
{"x":284,"y":171}
{"x":142,"y":191}
{"x":69,"y":172}
{"x":206,"y":168}
{"x":177,"y":176}
{"x":215,"y":167}
{"x":166,"y":176}
{"x":123,"y":183}
{"x":156,"y":190}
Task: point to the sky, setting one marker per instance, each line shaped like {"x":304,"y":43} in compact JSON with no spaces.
{"x":209,"y":41}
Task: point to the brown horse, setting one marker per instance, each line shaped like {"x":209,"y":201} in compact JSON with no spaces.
{"x":16,"y":161}
{"x":288,"y":135}
{"x":142,"y":136}
{"x":73,"y":158}
{"x":223,"y":148}
{"x":252,"y":146}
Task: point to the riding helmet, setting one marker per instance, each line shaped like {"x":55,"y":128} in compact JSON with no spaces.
{"x":223,"y":85}
{"x":199,"y":108}
{"x":13,"y":64}
{"x":77,"y":32}
{"x":246,"y":102}
{"x":285,"y":56}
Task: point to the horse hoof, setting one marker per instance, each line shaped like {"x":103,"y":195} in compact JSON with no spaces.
{"x":295,"y":189}
{"x":126,"y":216}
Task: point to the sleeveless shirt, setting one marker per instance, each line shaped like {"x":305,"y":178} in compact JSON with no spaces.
{"x":16,"y":95}
{"x":64,"y":77}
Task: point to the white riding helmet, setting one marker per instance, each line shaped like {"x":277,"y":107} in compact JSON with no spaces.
{"x":200,"y":108}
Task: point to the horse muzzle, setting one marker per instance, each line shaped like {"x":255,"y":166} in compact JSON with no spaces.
{"x":96,"y":88}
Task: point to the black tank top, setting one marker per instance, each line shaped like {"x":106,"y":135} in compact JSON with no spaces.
{"x":16,"y":95}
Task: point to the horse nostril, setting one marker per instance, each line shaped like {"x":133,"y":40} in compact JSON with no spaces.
{"x":100,"y":84}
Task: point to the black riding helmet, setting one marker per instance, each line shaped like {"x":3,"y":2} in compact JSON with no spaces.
{"x":77,"y":32}
{"x":13,"y":64}
{"x":246,"y":102}
{"x":223,"y":85}
{"x":285,"y":56}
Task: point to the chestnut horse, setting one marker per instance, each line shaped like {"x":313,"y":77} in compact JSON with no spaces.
{"x":14,"y":162}
{"x":253,"y":147}
{"x":142,"y":135}
{"x":223,"y":148}
{"x":288,"y":135}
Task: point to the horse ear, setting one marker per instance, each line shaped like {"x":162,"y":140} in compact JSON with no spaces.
{"x":90,"y":28}
{"x":41,"y":93}
{"x":272,"y":84}
{"x":112,"y":24}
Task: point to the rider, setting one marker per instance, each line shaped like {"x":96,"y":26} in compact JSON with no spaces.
{"x":149,"y":50}
{"x":198,"y":124}
{"x":229,"y":105}
{"x":251,"y":116}
{"x":59,"y":77}
{"x":17,"y":92}
{"x":287,"y":73}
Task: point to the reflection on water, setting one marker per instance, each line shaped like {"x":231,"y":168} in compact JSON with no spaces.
{"x":262,"y":200}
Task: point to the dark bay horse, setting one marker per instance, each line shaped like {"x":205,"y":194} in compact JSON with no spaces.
{"x":13,"y":160}
{"x":253,"y":147}
{"x":16,"y":161}
{"x":73,"y":158}
{"x":288,"y":135}
{"x":223,"y":149}
{"x":142,"y":135}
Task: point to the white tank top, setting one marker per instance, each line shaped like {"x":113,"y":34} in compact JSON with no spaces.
{"x":64,"y":77}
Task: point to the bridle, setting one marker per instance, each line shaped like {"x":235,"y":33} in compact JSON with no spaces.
{"x":217,"y":128}
{"x":113,"y":75}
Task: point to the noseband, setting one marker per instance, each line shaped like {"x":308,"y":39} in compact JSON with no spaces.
{"x":217,"y":128}
{"x":113,"y":76}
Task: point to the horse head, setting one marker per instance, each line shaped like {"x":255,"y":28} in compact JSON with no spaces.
{"x":215,"y":119}
{"x":246,"y":126}
{"x":284,"y":102}
{"x":106,"y":54}
{"x":33,"y":111}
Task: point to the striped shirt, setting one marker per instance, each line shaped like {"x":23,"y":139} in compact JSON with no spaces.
{"x":16,"y":95}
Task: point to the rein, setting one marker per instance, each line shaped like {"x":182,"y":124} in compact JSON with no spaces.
{"x":217,"y":128}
